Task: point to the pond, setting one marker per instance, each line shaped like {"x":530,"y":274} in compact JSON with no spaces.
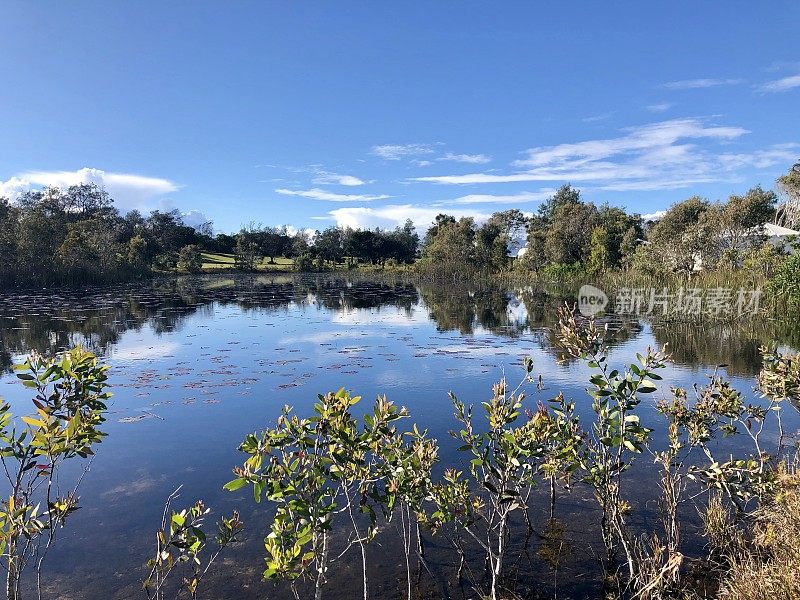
{"x":197,"y":363}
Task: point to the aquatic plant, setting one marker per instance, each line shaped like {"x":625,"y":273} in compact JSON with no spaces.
{"x":70,"y":407}
{"x":180,"y":543}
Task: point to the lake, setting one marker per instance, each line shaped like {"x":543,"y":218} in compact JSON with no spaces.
{"x":197,"y":363}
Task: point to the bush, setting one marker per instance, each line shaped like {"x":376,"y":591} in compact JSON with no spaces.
{"x":190,"y":259}
{"x":564,"y":271}
{"x":769,"y":567}
{"x":304,"y":263}
{"x":786,"y":280}
{"x":167,"y":261}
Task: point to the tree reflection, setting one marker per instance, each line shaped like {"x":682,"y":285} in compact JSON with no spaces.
{"x":96,"y":318}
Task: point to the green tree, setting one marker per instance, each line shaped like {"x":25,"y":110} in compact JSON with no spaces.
{"x":600,"y":250}
{"x":742,"y":217}
{"x":686,"y":235}
{"x":190,"y":259}
{"x":453,"y":245}
{"x":567,"y":240}
{"x":329,"y":244}
{"x":247,"y":253}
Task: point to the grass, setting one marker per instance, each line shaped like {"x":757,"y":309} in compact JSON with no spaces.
{"x":221,"y":262}
{"x":768,"y":567}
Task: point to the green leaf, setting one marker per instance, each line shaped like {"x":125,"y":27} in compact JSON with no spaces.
{"x":236,"y":484}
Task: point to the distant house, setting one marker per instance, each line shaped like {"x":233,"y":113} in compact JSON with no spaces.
{"x":780,"y":237}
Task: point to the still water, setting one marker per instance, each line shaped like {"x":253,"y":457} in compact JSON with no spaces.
{"x":197,"y":363}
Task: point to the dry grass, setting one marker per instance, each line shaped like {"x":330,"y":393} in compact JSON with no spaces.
{"x":768,"y":568}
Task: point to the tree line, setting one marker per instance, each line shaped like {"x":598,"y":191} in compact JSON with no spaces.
{"x":77,"y":235}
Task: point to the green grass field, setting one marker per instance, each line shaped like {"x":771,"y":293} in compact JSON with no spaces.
{"x":212,"y":261}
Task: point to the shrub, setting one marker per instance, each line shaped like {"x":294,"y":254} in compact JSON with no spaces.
{"x":190,"y":259}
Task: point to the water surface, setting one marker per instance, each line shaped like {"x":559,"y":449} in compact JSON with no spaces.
{"x":197,"y":363}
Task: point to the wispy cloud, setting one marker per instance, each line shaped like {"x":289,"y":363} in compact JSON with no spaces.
{"x":600,"y":117}
{"x":129,"y":191}
{"x":474,"y":159}
{"x":659,"y":155}
{"x":318,"y":194}
{"x":325,"y":177}
{"x":398,"y":151}
{"x":782,"y":85}
{"x":691,"y":84}
{"x":761,"y":159}
{"x":659,"y":107}
{"x":518,"y":198}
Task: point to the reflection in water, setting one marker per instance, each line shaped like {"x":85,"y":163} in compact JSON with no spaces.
{"x":95,"y":318}
{"x":198,"y":362}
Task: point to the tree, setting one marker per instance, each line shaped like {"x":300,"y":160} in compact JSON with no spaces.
{"x":600,"y":251}
{"x":491,"y":247}
{"x":628,"y":244}
{"x":453,"y":245}
{"x":568,"y":238}
{"x":136,"y":252}
{"x":190,"y":259}
{"x":440,"y":221}
{"x":513,"y":225}
{"x":361,"y":244}
{"x":85,"y":200}
{"x":224,"y":243}
{"x":8,"y":240}
{"x":329,"y":244}
{"x":788,"y":213}
{"x":402,"y":243}
{"x":686,"y":234}
{"x":743,"y":216}
{"x":247,"y":252}
{"x":566,"y":195}
{"x":617,"y":224}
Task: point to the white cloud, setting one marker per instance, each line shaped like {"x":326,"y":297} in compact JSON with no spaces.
{"x":518,"y":198}
{"x":128,"y":191}
{"x":659,"y":107}
{"x":650,"y":186}
{"x":318,"y":194}
{"x":691,"y":84}
{"x":398,"y":151}
{"x":388,"y":217}
{"x":292,"y":230}
{"x":600,"y":117}
{"x":195,"y":218}
{"x":324,"y":177}
{"x":655,"y":216}
{"x":13,"y":188}
{"x":474,"y":159}
{"x":638,"y":139}
{"x":782,"y":85}
{"x":654,"y":156}
{"x":761,"y":159}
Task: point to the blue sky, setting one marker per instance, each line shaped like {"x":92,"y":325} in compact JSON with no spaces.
{"x":366,"y":113}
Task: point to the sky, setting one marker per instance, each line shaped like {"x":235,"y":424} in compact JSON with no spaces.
{"x":365,"y":114}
